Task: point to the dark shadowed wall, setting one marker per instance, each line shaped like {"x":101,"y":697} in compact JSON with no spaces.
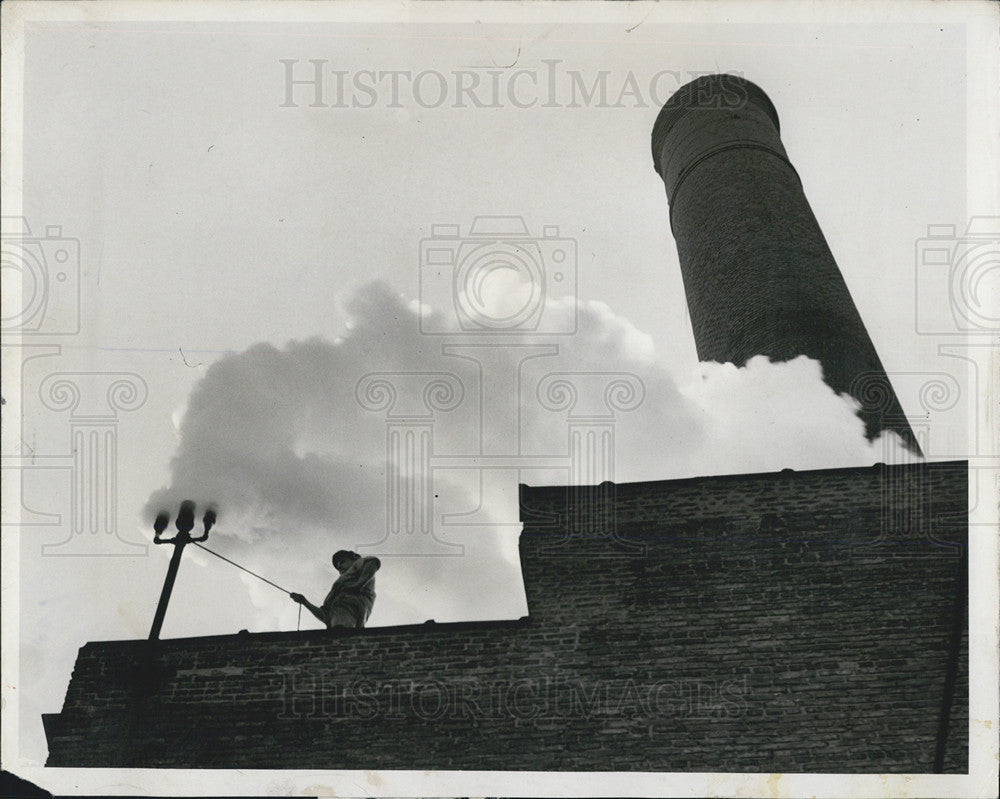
{"x":797,"y":621}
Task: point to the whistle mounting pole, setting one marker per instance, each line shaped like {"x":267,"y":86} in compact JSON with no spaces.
{"x":184,"y":524}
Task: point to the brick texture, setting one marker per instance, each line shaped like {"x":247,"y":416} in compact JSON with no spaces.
{"x":795,"y":621}
{"x":758,"y":274}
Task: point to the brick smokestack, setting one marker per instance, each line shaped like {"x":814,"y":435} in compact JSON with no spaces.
{"x":759,"y":276}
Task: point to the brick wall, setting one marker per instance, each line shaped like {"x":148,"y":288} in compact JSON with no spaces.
{"x":758,"y":275}
{"x":796,"y":621}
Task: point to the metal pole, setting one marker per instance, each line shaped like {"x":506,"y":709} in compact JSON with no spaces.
{"x":168,"y":585}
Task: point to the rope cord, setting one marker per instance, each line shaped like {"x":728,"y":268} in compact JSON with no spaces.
{"x":298,"y":623}
{"x":244,"y":568}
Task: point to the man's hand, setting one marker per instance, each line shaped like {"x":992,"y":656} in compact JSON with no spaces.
{"x":317,"y":612}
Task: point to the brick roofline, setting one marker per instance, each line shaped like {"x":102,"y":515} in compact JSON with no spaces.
{"x":626,"y":489}
{"x":430,"y":627}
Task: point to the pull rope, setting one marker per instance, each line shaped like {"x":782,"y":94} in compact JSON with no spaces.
{"x":244,"y":568}
{"x":298,"y":624}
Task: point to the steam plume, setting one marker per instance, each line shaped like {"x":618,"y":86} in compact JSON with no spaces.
{"x":276,"y":440}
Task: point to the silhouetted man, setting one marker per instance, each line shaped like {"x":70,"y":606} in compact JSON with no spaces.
{"x":350,"y":601}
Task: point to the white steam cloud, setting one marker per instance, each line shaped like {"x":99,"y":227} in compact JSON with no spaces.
{"x":278,"y":441}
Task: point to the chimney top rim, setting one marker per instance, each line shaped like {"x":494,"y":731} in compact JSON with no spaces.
{"x":733,"y":91}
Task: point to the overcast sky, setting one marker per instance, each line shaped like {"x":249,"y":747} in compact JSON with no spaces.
{"x":251,"y":257}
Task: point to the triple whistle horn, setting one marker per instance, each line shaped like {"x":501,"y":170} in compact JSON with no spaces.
{"x":184,"y":523}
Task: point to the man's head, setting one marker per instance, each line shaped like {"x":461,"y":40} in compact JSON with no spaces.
{"x":343,"y":559}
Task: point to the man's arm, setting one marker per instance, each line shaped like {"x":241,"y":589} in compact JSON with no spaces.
{"x":360,"y":573}
{"x":317,"y":612}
